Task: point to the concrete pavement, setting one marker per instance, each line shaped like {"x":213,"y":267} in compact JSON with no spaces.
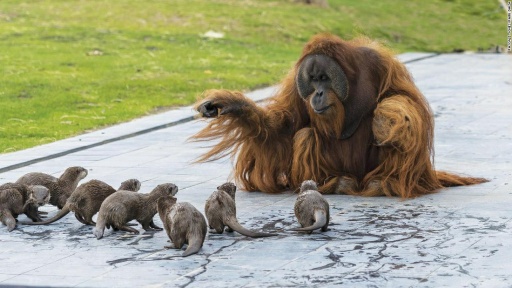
{"x":458,"y":237}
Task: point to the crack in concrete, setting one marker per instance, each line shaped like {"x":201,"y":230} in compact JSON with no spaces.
{"x":336,"y":259}
{"x":203,"y":267}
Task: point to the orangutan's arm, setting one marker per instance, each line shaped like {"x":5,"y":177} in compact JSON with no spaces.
{"x":237,"y":120}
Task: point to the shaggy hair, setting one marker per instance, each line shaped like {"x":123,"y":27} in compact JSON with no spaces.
{"x":278,"y":146}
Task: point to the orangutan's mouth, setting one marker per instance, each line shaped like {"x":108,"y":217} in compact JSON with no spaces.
{"x":322,"y":110}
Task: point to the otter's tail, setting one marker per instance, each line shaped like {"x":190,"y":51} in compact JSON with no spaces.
{"x":8,"y":220}
{"x":450,"y":180}
{"x":100,"y":226}
{"x":63,"y":212}
{"x":320,"y":221}
{"x":233,"y":224}
{"x":194,"y":245}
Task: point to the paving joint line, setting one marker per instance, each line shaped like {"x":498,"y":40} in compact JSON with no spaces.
{"x":422,"y":58}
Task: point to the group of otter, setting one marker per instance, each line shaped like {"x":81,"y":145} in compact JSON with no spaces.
{"x":183,"y":223}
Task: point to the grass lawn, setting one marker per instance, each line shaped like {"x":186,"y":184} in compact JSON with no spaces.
{"x":69,"y":66}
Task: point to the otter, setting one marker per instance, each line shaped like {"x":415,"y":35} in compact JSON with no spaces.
{"x":124,"y":206}
{"x":16,"y":199}
{"x":183,"y":223}
{"x":86,"y":200}
{"x":60,"y":188}
{"x":311,"y":208}
{"x":220,"y":210}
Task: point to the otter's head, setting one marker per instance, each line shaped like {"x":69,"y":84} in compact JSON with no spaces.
{"x":38,"y":195}
{"x":164,"y":205}
{"x":167,"y":189}
{"x":75,"y":174}
{"x":228,"y":187}
{"x":308,"y":185}
{"x":130,"y":185}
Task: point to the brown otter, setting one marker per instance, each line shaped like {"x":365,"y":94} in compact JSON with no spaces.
{"x":220,"y":210}
{"x":311,"y":208}
{"x":86,"y":200}
{"x":16,"y":199}
{"x":124,"y":206}
{"x":183,"y":223}
{"x":60,"y":188}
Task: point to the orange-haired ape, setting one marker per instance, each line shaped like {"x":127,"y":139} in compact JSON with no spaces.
{"x":347,"y":116}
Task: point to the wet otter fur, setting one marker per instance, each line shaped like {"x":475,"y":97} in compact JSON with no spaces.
{"x":220,"y":210}
{"x":311,"y":208}
{"x":86,"y":200}
{"x":183,"y":223}
{"x":16,"y":199}
{"x":60,"y":188}
{"x":124,"y":206}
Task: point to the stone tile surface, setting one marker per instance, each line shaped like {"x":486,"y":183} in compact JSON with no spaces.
{"x":458,"y":237}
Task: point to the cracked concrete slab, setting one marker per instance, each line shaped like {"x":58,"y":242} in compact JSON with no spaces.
{"x":458,"y":237}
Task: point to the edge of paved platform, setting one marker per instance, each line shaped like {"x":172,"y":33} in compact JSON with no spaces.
{"x":139,"y":126}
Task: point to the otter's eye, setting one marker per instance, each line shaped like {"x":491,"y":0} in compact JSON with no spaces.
{"x":323,"y":77}
{"x":313,"y":78}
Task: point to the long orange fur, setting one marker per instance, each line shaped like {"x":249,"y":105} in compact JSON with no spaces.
{"x":278,"y":146}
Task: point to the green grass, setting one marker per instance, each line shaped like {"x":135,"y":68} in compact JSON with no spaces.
{"x":71,"y":66}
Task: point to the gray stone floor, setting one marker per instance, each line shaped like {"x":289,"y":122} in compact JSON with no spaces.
{"x":458,"y":237}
